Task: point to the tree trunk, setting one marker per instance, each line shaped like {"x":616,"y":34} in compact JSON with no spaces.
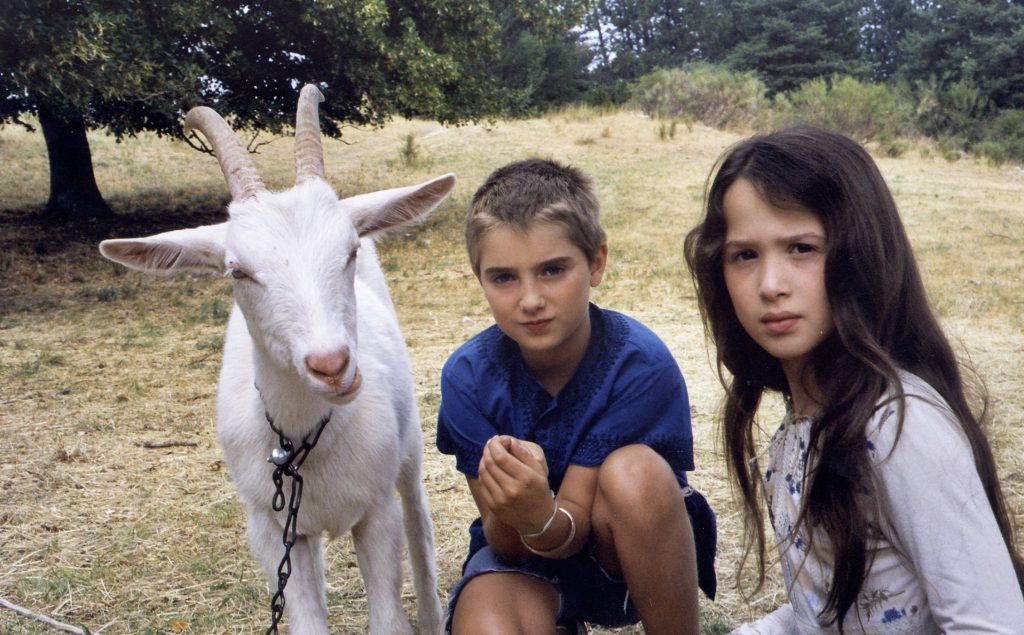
{"x":74,"y":196}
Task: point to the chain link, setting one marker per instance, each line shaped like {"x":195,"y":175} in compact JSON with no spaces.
{"x":287,"y":462}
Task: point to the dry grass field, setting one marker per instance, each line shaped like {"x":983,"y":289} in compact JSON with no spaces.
{"x":102,"y":528}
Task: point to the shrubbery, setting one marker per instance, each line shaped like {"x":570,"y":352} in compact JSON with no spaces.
{"x":701,"y":93}
{"x":1004,"y":138}
{"x":954,"y":115}
{"x":866,"y":112}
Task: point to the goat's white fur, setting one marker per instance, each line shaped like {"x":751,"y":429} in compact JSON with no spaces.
{"x":298,"y":302}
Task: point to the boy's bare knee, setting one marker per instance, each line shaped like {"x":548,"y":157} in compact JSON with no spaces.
{"x":505,"y":603}
{"x":635,"y":475}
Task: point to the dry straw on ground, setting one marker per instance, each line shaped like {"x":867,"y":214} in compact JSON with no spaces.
{"x":101,"y":529}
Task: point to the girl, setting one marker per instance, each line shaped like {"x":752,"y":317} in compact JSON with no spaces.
{"x":880,"y":483}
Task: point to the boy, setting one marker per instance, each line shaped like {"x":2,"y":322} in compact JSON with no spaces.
{"x":571,"y":424}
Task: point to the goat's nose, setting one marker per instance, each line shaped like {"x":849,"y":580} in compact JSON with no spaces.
{"x":328,"y":366}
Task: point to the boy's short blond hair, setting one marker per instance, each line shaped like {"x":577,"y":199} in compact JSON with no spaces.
{"x":531,"y":191}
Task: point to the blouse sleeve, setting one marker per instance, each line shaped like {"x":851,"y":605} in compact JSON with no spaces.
{"x":940,"y":519}
{"x":781,"y":621}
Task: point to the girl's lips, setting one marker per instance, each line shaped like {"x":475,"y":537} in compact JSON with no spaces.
{"x":778,"y":323}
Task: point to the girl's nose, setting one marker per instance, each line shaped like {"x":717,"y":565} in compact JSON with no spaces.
{"x":774,"y":280}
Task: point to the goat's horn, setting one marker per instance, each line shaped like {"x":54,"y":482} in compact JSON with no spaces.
{"x":243,"y":180}
{"x":309,"y":150}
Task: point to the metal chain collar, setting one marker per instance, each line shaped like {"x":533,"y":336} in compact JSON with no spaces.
{"x":287,"y":460}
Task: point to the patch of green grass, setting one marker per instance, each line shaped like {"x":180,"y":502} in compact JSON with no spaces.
{"x":409,"y":152}
{"x":211,"y":343}
{"x":53,"y":359}
{"x":92,"y":425}
{"x":667,"y":130}
{"x":28,"y":368}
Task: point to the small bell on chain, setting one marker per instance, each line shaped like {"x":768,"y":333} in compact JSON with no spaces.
{"x":279,"y":456}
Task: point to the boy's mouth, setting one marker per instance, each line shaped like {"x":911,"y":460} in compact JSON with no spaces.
{"x":536,"y":325}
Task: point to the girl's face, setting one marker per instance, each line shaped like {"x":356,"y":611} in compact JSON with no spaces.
{"x":537,"y":284}
{"x":774,"y":266}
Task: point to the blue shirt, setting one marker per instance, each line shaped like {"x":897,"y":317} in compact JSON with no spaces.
{"x":627,"y":389}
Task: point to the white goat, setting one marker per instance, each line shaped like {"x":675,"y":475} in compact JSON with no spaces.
{"x":297,"y":351}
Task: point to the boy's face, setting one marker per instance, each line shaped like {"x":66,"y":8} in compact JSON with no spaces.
{"x":538,"y":284}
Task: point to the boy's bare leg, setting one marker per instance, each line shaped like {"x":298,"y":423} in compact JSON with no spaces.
{"x":642,"y":529}
{"x":506,"y":604}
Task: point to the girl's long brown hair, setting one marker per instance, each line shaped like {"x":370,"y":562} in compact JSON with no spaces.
{"x":883,"y":323}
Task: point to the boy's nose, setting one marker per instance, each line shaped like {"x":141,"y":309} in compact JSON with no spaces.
{"x":532,"y":300}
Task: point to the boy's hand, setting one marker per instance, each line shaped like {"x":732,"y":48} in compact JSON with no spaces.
{"x":516,"y":448}
{"x":514,"y":475}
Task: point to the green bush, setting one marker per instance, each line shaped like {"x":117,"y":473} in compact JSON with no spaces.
{"x":866,"y":112}
{"x":953,"y":109}
{"x":607,"y":96}
{"x":1004,"y":138}
{"x":994,"y":153}
{"x":952,"y":147}
{"x":703,"y":93}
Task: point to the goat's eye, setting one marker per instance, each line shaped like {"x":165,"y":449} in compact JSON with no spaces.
{"x":237,"y":273}
{"x":352,"y":257}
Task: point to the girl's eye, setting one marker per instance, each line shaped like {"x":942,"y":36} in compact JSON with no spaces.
{"x":743,"y":255}
{"x":803,"y":248}
{"x":501,"y":278}
{"x":553,"y":270}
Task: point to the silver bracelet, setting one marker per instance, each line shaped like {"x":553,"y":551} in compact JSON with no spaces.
{"x":547,"y":525}
{"x":544,"y":553}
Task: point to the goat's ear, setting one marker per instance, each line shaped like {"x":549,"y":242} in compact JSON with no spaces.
{"x":196,"y":249}
{"x":378,"y":211}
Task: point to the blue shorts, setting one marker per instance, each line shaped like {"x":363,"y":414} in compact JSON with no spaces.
{"x":585,"y":590}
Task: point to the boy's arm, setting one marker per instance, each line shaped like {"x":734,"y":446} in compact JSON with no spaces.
{"x":503,"y":538}
{"x":513,"y":498}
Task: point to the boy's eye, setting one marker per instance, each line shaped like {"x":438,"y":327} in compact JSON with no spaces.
{"x":553,"y":270}
{"x":501,"y":278}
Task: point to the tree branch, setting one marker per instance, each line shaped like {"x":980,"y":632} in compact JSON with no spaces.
{"x":253,"y":147}
{"x":159,"y":445}
{"x":42,"y":618}
{"x":198,"y":144}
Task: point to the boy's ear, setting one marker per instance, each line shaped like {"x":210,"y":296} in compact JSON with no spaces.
{"x":598,"y":264}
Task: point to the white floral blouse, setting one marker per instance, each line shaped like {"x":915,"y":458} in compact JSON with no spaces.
{"x":939,"y":562}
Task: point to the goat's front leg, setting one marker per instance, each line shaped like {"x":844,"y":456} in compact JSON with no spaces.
{"x":378,"y":542}
{"x":306,"y":592}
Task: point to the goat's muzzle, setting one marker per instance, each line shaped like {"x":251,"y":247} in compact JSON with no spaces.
{"x":333,"y":371}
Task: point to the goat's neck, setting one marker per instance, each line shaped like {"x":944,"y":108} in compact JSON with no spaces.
{"x":287,"y":399}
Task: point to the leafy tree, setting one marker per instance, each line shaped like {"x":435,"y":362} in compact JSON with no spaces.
{"x":636,"y":36}
{"x":884,"y":25}
{"x":789,"y":42}
{"x":78,"y":66}
{"x":541,"y":60}
{"x":974,"y":41}
{"x":130,"y":65}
